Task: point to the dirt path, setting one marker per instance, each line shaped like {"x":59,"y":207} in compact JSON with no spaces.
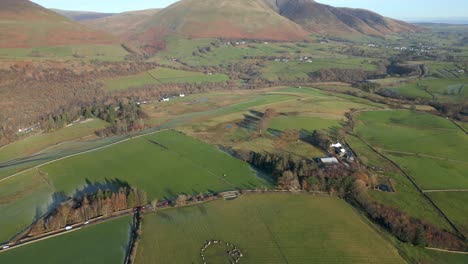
{"x":446,"y":190}
{"x":448,"y":251}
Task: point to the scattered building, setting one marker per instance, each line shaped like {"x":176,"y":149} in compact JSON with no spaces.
{"x":337,"y":145}
{"x":329,"y":160}
{"x":181,"y":95}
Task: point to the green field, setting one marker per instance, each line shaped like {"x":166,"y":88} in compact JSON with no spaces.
{"x":164,"y":164}
{"x":267,"y":228}
{"x":444,"y":89}
{"x":32,"y":144}
{"x":302,"y":122}
{"x":428,"y":147}
{"x":406,"y":197}
{"x":101,"y":243}
{"x":294,"y":70}
{"x":454,"y":205}
{"x":162,"y":75}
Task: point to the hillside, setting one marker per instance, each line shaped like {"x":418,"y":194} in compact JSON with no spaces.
{"x":81,"y":15}
{"x":240,"y":19}
{"x":325,"y":19}
{"x":24,"y":24}
{"x":123,"y":23}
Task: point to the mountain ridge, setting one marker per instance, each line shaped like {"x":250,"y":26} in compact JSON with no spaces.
{"x":24,"y":24}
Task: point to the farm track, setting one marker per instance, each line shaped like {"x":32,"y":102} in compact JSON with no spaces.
{"x":154,"y":77}
{"x":413,"y":182}
{"x":446,"y":190}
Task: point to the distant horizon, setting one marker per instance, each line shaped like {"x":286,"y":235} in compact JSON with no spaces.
{"x":398,"y":9}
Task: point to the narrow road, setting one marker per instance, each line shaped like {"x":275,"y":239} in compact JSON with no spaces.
{"x":448,"y":251}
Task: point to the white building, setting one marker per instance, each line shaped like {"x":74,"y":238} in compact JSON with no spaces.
{"x":329,"y":160}
{"x":337,"y":145}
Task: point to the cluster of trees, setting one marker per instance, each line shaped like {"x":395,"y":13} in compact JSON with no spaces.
{"x":80,"y":209}
{"x":54,"y":92}
{"x":406,"y":228}
{"x":305,"y":175}
{"x":367,"y":86}
{"x":454,"y":110}
{"x":344,"y":75}
{"x":126,"y":117}
{"x":265,"y":119}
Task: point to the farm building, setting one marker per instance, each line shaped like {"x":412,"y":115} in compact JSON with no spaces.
{"x":329,"y":160}
{"x":337,"y":145}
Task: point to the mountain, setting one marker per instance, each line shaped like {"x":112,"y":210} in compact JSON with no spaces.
{"x":81,"y":15}
{"x":233,"y":19}
{"x":122,"y":24}
{"x":24,"y":24}
{"x":325,"y":19}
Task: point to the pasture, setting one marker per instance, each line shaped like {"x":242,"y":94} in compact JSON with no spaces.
{"x":161,"y":76}
{"x":443,"y":89}
{"x":164,"y":164}
{"x":427,"y":147}
{"x":406,"y":197}
{"x":101,"y":243}
{"x":267,"y":228}
{"x":302,"y":122}
{"x":454,"y":205}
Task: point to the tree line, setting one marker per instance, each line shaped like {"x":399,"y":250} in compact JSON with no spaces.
{"x":89,"y":206}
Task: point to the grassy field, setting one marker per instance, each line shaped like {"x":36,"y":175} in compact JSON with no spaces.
{"x":162,"y":75}
{"x":406,"y":197}
{"x":102,"y":243}
{"x":32,"y":144}
{"x":267,"y":228}
{"x":453,"y":89}
{"x":296,"y":70}
{"x":426,"y":146}
{"x":163,"y":164}
{"x":303,"y":108}
{"x":454,"y":205}
{"x":302,"y":122}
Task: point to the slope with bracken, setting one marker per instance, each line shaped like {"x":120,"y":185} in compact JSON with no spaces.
{"x":325,"y":19}
{"x":24,"y":24}
{"x":231,"y":19}
{"x":122,"y":24}
{"x":81,"y":15}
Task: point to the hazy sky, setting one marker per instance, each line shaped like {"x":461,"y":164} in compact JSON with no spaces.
{"x":391,"y":8}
